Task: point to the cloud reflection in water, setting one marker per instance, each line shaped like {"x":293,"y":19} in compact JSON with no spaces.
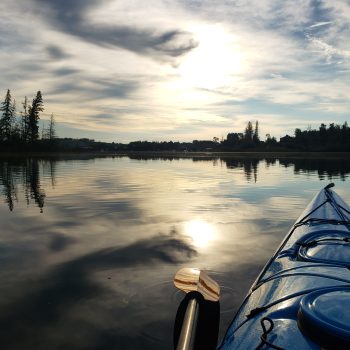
{"x":45,"y":307}
{"x":95,"y":270}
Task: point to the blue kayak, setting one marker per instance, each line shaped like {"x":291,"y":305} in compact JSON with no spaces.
{"x":301,"y":299}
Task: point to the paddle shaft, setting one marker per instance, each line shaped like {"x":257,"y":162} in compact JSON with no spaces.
{"x":188,"y":330}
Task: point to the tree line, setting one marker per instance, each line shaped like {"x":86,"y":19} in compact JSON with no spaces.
{"x":335,"y":137}
{"x":332,"y":138}
{"x":22,"y":129}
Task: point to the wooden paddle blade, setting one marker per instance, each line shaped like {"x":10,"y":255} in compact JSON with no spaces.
{"x":187,"y":279}
{"x":208,"y":287}
{"x":191,"y":279}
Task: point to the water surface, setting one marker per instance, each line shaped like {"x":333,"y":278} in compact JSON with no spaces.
{"x":89,"y":247}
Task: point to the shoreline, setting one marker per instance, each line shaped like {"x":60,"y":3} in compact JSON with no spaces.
{"x":162,"y":154}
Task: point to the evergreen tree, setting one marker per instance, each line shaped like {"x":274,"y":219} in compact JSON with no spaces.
{"x":323,"y":134}
{"x":33,"y":117}
{"x":256,"y":138}
{"x":248,"y":134}
{"x":25,"y":120}
{"x":297,"y":133}
{"x":8,"y":117}
{"x":16,"y":126}
{"x":345,"y":133}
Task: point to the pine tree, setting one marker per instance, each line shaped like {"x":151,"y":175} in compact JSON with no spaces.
{"x":248,"y":134}
{"x":33,"y":117}
{"x":16,"y":126}
{"x":8,"y":117}
{"x":25,"y":120}
{"x":256,"y":138}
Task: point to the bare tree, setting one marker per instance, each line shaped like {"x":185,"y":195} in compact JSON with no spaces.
{"x":51,"y":131}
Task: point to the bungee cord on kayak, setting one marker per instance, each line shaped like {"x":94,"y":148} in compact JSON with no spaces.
{"x":266,"y":331}
{"x":322,"y":221}
{"x":260,"y":309}
{"x":293,"y":269}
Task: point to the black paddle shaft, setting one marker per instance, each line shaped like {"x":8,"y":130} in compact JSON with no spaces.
{"x":203,"y":318}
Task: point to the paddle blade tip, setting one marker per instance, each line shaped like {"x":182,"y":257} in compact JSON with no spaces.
{"x":192,"y":279}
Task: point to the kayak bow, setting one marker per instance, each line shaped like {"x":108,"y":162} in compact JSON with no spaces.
{"x":301,"y":299}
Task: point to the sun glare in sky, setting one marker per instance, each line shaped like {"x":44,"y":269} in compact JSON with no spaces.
{"x":215,"y":60}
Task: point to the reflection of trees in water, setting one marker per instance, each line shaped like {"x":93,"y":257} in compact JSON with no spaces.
{"x":325,"y":168}
{"x":32,"y":184}
{"x":148,"y":157}
{"x":249,"y":166}
{"x":270,"y":161}
{"x":9,"y":188}
{"x":24,"y":175}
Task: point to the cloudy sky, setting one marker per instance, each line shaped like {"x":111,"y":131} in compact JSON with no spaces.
{"x":124,"y":70}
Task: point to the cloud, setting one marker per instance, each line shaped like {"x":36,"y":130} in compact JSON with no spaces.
{"x":94,"y":89}
{"x":320,"y":24}
{"x":65,"y":71}
{"x":102,"y":116}
{"x":56,"y":52}
{"x":70,"y":16}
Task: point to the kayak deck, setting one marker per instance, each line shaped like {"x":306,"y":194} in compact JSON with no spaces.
{"x":299,"y":299}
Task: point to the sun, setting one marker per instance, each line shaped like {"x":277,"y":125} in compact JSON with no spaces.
{"x":214,"y":62}
{"x":200,"y":232}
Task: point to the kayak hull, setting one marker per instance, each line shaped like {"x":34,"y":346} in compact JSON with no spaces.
{"x":312,"y":262}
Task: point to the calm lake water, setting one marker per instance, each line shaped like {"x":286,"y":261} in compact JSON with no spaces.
{"x":89,"y":247}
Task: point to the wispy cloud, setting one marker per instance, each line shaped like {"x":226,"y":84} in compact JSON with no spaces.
{"x":70,"y":16}
{"x":55,"y":52}
{"x":320,"y":24}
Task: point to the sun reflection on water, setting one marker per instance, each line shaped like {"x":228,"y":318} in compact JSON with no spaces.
{"x":201,"y":232}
